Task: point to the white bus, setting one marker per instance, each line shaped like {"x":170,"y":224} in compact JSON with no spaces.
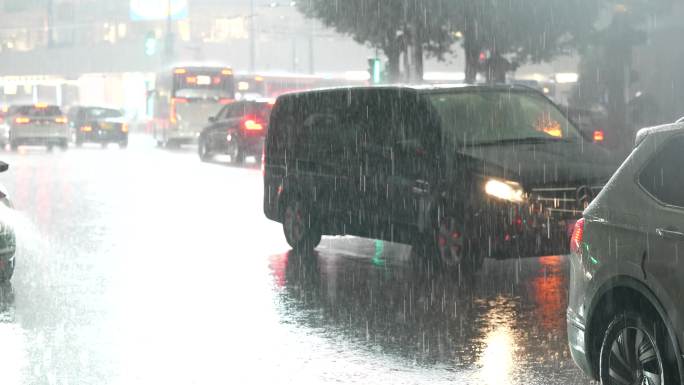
{"x":183,"y":99}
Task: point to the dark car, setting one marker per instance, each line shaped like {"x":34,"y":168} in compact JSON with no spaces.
{"x":238,"y":130}
{"x":102,"y":125}
{"x":625,"y":323}
{"x":458,"y":172}
{"x":8,"y":242}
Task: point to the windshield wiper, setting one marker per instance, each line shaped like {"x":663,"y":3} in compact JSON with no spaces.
{"x":528,"y":140}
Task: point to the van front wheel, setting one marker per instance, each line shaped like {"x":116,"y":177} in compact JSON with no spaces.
{"x":300,"y":226}
{"x":450,"y":246}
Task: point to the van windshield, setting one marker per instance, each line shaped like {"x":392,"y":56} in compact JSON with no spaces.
{"x":491,"y":117}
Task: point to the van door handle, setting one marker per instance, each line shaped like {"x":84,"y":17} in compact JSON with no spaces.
{"x":670,"y":233}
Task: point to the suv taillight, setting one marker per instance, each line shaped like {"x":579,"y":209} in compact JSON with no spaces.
{"x":252,"y":125}
{"x":577,"y":236}
{"x":263,"y":160}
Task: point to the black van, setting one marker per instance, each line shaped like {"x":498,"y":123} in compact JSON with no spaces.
{"x":462,"y":172}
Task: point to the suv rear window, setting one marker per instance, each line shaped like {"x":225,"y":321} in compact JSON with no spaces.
{"x":37,"y":111}
{"x":663,"y":176}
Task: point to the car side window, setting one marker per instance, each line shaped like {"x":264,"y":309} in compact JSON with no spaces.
{"x":663,"y":176}
{"x":236,"y":110}
{"x":222,"y":113}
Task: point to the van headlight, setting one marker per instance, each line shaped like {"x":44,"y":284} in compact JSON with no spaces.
{"x":505,"y":190}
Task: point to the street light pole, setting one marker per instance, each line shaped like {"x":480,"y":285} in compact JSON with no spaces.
{"x":168,"y":47}
{"x":312,"y":68}
{"x":252,"y":37}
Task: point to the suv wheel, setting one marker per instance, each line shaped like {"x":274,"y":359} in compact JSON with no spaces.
{"x":636,"y":350}
{"x":7,"y":271}
{"x":203,"y":150}
{"x":235,"y":152}
{"x":300,"y":226}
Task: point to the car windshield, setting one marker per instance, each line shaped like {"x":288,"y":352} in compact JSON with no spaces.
{"x":499,"y":116}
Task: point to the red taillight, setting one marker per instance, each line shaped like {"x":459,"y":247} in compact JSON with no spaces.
{"x":22,"y":120}
{"x":598,"y":136}
{"x":263,"y":160}
{"x":252,"y":125}
{"x":172,"y":111}
{"x":577,"y":235}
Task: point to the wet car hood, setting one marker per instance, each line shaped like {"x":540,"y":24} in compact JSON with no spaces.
{"x":546,"y":164}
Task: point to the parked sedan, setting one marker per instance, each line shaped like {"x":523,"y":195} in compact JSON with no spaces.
{"x":238,"y":130}
{"x":7,"y":236}
{"x":625,"y":323}
{"x":98,"y":125}
{"x":38,"y":124}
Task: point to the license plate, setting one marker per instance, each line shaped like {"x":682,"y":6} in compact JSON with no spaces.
{"x":106,"y":126}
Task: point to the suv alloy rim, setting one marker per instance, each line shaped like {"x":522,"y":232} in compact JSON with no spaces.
{"x":634,"y":359}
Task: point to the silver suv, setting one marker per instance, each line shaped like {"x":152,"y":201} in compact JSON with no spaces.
{"x":625,"y":314}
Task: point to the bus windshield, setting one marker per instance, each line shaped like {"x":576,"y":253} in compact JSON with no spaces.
{"x":207,"y":83}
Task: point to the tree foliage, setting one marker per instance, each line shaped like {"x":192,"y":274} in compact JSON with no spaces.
{"x":513,"y":32}
{"x":388,"y":25}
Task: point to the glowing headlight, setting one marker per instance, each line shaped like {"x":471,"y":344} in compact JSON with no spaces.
{"x":506,"y":190}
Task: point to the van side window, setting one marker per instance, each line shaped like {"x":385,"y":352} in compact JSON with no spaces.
{"x":663,"y":176}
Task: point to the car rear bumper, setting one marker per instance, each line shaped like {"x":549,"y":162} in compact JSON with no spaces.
{"x":185,"y":136}
{"x":576,"y":342}
{"x":47,"y":133}
{"x":248,"y":145}
{"x":103,"y":136}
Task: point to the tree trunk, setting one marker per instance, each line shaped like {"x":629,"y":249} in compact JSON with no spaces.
{"x":472,"y":55}
{"x":418,"y":60}
{"x":392,"y":65}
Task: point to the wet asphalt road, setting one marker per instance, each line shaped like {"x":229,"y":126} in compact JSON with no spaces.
{"x":145,"y":266}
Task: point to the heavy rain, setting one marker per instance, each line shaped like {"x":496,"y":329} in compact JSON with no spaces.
{"x":341,"y":191}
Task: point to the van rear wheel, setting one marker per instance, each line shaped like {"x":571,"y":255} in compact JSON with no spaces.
{"x":300,"y":226}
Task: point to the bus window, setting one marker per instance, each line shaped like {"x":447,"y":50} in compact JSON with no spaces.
{"x":206,"y":83}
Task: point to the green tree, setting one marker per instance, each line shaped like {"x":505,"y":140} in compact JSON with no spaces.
{"x":607,"y":70}
{"x":513,"y":32}
{"x":388,"y":25}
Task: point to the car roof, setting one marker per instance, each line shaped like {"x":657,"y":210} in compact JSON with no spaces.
{"x":662,"y":129}
{"x":96,"y":107}
{"x":431,"y":88}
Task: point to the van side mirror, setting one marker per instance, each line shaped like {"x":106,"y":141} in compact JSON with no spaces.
{"x":4,"y":166}
{"x":212,"y":119}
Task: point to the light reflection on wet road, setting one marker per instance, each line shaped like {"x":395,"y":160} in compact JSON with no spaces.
{"x":146,"y":266}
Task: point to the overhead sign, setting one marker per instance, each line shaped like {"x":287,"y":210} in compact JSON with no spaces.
{"x":146,"y":10}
